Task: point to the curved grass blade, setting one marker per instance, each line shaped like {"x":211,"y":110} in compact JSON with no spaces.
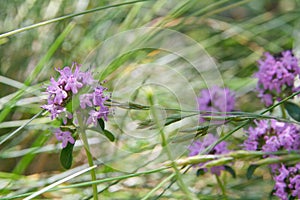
{"x":20,"y":128}
{"x":59,"y":182}
{"x":65,"y":17}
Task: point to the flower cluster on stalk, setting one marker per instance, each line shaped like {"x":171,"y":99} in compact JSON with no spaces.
{"x":215,"y":99}
{"x":276,"y":80}
{"x":199,"y":146}
{"x":61,"y":91}
{"x":272,"y":136}
{"x":287,"y":182}
{"x":276,"y":76}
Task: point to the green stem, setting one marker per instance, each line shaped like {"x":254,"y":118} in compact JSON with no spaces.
{"x":164,"y":144}
{"x":221,"y":186}
{"x":91,"y":163}
{"x":158,"y":186}
{"x":82,"y":132}
{"x":283,"y":111}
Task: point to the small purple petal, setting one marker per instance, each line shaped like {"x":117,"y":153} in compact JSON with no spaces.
{"x":64,"y":136}
{"x":85,"y":100}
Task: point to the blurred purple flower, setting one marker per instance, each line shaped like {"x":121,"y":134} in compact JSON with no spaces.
{"x":98,"y":97}
{"x":87,"y":78}
{"x":276,"y":76}
{"x":215,"y":99}
{"x":64,"y":136}
{"x":85,"y":100}
{"x":199,"y":146}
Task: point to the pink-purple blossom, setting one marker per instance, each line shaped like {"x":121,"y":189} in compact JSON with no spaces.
{"x":276,"y":76}
{"x":272,"y":136}
{"x":64,"y":136}
{"x":215,"y":99}
{"x":55,"y":110}
{"x":60,"y":92}
{"x":198,"y":146}
{"x":85,"y":100}
{"x":287,"y":182}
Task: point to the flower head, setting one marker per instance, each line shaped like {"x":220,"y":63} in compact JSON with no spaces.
{"x":276,"y":76}
{"x":64,"y":136}
{"x":215,"y":99}
{"x":287,"y":182}
{"x":199,"y":146}
{"x":271,"y":136}
{"x":60,"y":92}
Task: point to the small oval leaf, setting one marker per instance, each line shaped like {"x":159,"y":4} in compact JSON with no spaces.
{"x":293,"y":110}
{"x":66,"y":156}
{"x":101,"y":123}
{"x":230,"y":170}
{"x":200,"y":172}
{"x":106,"y":133}
{"x":251,"y":170}
{"x":109,"y":135}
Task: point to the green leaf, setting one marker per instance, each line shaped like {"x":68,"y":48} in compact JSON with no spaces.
{"x":251,"y":170}
{"x":293,"y":110}
{"x":109,"y":135}
{"x":66,"y":156}
{"x":200,"y":172}
{"x":230,"y":170}
{"x":196,"y":128}
{"x":101,"y":123}
{"x":106,"y":133}
{"x":172,"y":119}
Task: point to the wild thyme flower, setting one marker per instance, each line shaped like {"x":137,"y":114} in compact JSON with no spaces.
{"x":287,"y":182}
{"x":276,"y":76}
{"x":199,"y":146}
{"x":272,"y":136}
{"x":60,"y":92}
{"x":64,"y":136}
{"x":215,"y":99}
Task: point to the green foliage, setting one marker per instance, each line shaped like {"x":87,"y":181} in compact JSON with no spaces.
{"x":36,"y":38}
{"x":66,"y":156}
{"x":293,"y":110}
{"x":250,"y":171}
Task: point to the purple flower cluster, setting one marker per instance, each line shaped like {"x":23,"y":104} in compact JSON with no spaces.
{"x":60,"y":92}
{"x":215,"y":99}
{"x":288,"y":182}
{"x":64,"y":136}
{"x":272,"y":136}
{"x":199,"y":146}
{"x":276,"y":76}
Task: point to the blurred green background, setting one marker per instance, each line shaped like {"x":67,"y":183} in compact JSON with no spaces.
{"x":233,"y":33}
